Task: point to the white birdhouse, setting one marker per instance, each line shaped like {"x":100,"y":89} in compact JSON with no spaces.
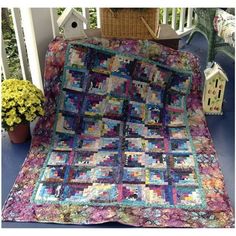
{"x":72,"y":23}
{"x":214,"y":88}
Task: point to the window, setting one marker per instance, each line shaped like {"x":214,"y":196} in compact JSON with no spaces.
{"x":216,"y":83}
{"x":209,"y":101}
{"x":219,"y":93}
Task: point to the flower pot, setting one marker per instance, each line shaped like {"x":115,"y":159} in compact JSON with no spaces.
{"x":20,"y":134}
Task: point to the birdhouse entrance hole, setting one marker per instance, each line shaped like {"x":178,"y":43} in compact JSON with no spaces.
{"x":74,"y":24}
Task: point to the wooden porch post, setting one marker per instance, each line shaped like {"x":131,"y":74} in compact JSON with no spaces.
{"x":38,"y":31}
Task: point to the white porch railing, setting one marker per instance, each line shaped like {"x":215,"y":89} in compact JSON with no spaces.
{"x":36,"y":27}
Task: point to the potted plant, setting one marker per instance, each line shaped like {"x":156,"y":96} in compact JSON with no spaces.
{"x":22,"y":102}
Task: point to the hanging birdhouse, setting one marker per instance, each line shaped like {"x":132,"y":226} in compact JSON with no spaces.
{"x":214,"y":88}
{"x":71,"y":21}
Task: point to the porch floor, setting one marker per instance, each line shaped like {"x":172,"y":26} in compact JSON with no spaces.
{"x":221,"y":128}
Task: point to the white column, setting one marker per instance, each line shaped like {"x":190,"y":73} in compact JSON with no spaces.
{"x":38,"y":34}
{"x":20,"y":43}
{"x":31,"y":45}
{"x":43,"y":32}
{"x":3,"y":60}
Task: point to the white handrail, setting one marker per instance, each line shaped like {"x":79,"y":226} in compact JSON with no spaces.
{"x":165,"y":15}
{"x":182,"y":20}
{"x":85,"y":12}
{"x":184,"y":30}
{"x":54,"y":17}
{"x":20,"y":43}
{"x":190,"y":17}
{"x":173,"y":20}
{"x":195,"y":18}
{"x":98,"y":17}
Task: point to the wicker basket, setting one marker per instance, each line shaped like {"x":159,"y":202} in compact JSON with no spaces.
{"x":130,"y":23}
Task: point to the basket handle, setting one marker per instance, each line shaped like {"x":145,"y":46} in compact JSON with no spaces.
{"x":149,"y":28}
{"x":112,"y":12}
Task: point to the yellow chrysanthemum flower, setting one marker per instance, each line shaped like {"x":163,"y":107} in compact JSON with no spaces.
{"x":8,"y":105}
{"x":17,"y":96}
{"x":12,"y":103}
{"x":12,"y":112}
{"x":32,"y":109}
{"x":6,"y":96}
{"x":4,"y":104}
{"x":28,"y":103}
{"x":18,"y":120}
{"x":21,"y":110}
{"x":37,"y":101}
{"x":9,"y":121}
{"x":28,"y":118}
{"x":20,"y":102}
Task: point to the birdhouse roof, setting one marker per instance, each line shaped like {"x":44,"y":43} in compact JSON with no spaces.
{"x":213,"y":71}
{"x":67,"y":14}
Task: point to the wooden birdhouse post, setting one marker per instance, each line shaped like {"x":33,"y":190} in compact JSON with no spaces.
{"x":214,"y":88}
{"x":71,"y":21}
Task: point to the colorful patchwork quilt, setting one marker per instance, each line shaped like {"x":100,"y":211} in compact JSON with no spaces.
{"x":124,"y":139}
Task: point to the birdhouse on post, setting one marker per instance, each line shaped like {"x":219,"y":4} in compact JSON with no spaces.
{"x":214,"y":88}
{"x":71,"y":21}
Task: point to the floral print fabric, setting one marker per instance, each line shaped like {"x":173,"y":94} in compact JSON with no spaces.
{"x":224,"y":25}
